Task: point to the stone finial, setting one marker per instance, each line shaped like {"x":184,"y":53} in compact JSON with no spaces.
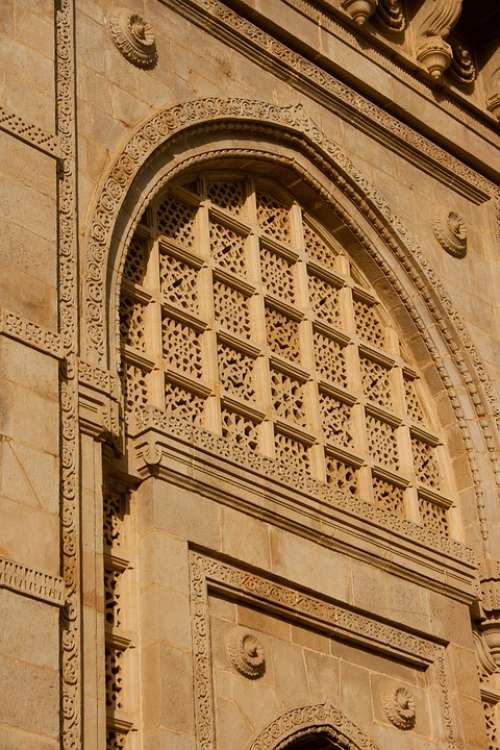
{"x":360,"y":10}
{"x":246,"y":654}
{"x":134,"y":38}
{"x":433,"y":51}
{"x":451,"y":233}
{"x":399,"y":707}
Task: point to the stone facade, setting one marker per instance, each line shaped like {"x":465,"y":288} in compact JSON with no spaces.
{"x":249,"y":364}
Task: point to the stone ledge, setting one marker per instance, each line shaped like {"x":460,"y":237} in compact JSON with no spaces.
{"x":30,"y":582}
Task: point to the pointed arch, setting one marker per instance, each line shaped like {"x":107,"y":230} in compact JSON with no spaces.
{"x":173,"y":139}
{"x":322,"y":720}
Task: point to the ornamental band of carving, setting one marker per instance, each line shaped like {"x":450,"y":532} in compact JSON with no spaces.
{"x":31,"y":334}
{"x":34,"y":583}
{"x":205,"y":570}
{"x":31,"y":134}
{"x":322,"y":718}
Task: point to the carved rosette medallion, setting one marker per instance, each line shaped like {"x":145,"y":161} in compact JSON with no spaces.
{"x":245,"y":653}
{"x":451,"y":234}
{"x":134,"y":38}
{"x":399,"y":707}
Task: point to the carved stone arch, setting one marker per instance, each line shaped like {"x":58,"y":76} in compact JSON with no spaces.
{"x":322,"y":720}
{"x":176,"y":138}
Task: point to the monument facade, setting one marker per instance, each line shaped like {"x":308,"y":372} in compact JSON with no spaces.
{"x":249,"y":355}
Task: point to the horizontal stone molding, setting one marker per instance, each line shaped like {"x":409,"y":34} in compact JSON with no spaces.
{"x":340,"y":98}
{"x":31,"y":582}
{"x":12,"y":123}
{"x":210,"y":573}
{"x":95,"y":377}
{"x":30,"y":334}
{"x":150,"y":455}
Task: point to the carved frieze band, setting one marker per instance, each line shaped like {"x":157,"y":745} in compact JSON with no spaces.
{"x":31,"y":334}
{"x":34,"y":583}
{"x":150,"y":417}
{"x":373,"y":119}
{"x":339,"y":620}
{"x":12,"y":123}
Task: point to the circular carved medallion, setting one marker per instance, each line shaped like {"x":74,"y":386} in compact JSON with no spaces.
{"x":245,"y":653}
{"x":134,"y":38}
{"x":451,"y":233}
{"x":399,"y":706}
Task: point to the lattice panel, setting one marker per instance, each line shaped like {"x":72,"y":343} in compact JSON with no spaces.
{"x":239,"y":429}
{"x":288,"y":397}
{"x":236,"y":372}
{"x":231,"y":309}
{"x":341,"y":475}
{"x":114,"y":671}
{"x":316,"y":248}
{"x":376,"y":382}
{"x":325,"y":300}
{"x":413,"y":405}
{"x":291,"y":452}
{"x":277,"y":275}
{"x":273,"y":216}
{"x":132,"y":323}
{"x":178,"y":282}
{"x":183,"y":403}
{"x":228,"y":194}
{"x":368,"y":324}
{"x":433,"y":516}
{"x":426,"y":465}
{"x":113,"y":582}
{"x":282,"y":334}
{"x":182,"y":347}
{"x":388,"y":496}
{"x":176,"y":220}
{"x":135,"y":387}
{"x":136,"y":262}
{"x":116,"y":740}
{"x":114,"y":505}
{"x":330,"y":359}
{"x":335,"y":420}
{"x":382,"y":442}
{"x":490,"y":711}
{"x":228,"y":248}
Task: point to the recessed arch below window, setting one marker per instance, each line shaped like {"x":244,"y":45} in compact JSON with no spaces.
{"x":243,"y":314}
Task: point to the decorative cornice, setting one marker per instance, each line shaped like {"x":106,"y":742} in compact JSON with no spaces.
{"x":338,"y":97}
{"x":31,"y":334}
{"x":234,"y":452}
{"x":31,"y":582}
{"x":31,"y":134}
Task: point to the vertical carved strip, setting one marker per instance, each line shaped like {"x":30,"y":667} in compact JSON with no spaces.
{"x":68,"y":308}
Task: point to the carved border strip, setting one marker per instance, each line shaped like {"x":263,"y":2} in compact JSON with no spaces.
{"x":35,"y":583}
{"x":381,"y":56}
{"x":30,"y":334}
{"x":31,"y":134}
{"x":71,"y":670}
{"x":97,"y":378}
{"x":338,"y":619}
{"x":301,"y":481}
{"x":345,"y":101}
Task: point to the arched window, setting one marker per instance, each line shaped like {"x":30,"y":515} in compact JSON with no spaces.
{"x":242,"y":314}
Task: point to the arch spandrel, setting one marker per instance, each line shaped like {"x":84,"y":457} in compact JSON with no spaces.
{"x":137,"y":176}
{"x":322,"y":720}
